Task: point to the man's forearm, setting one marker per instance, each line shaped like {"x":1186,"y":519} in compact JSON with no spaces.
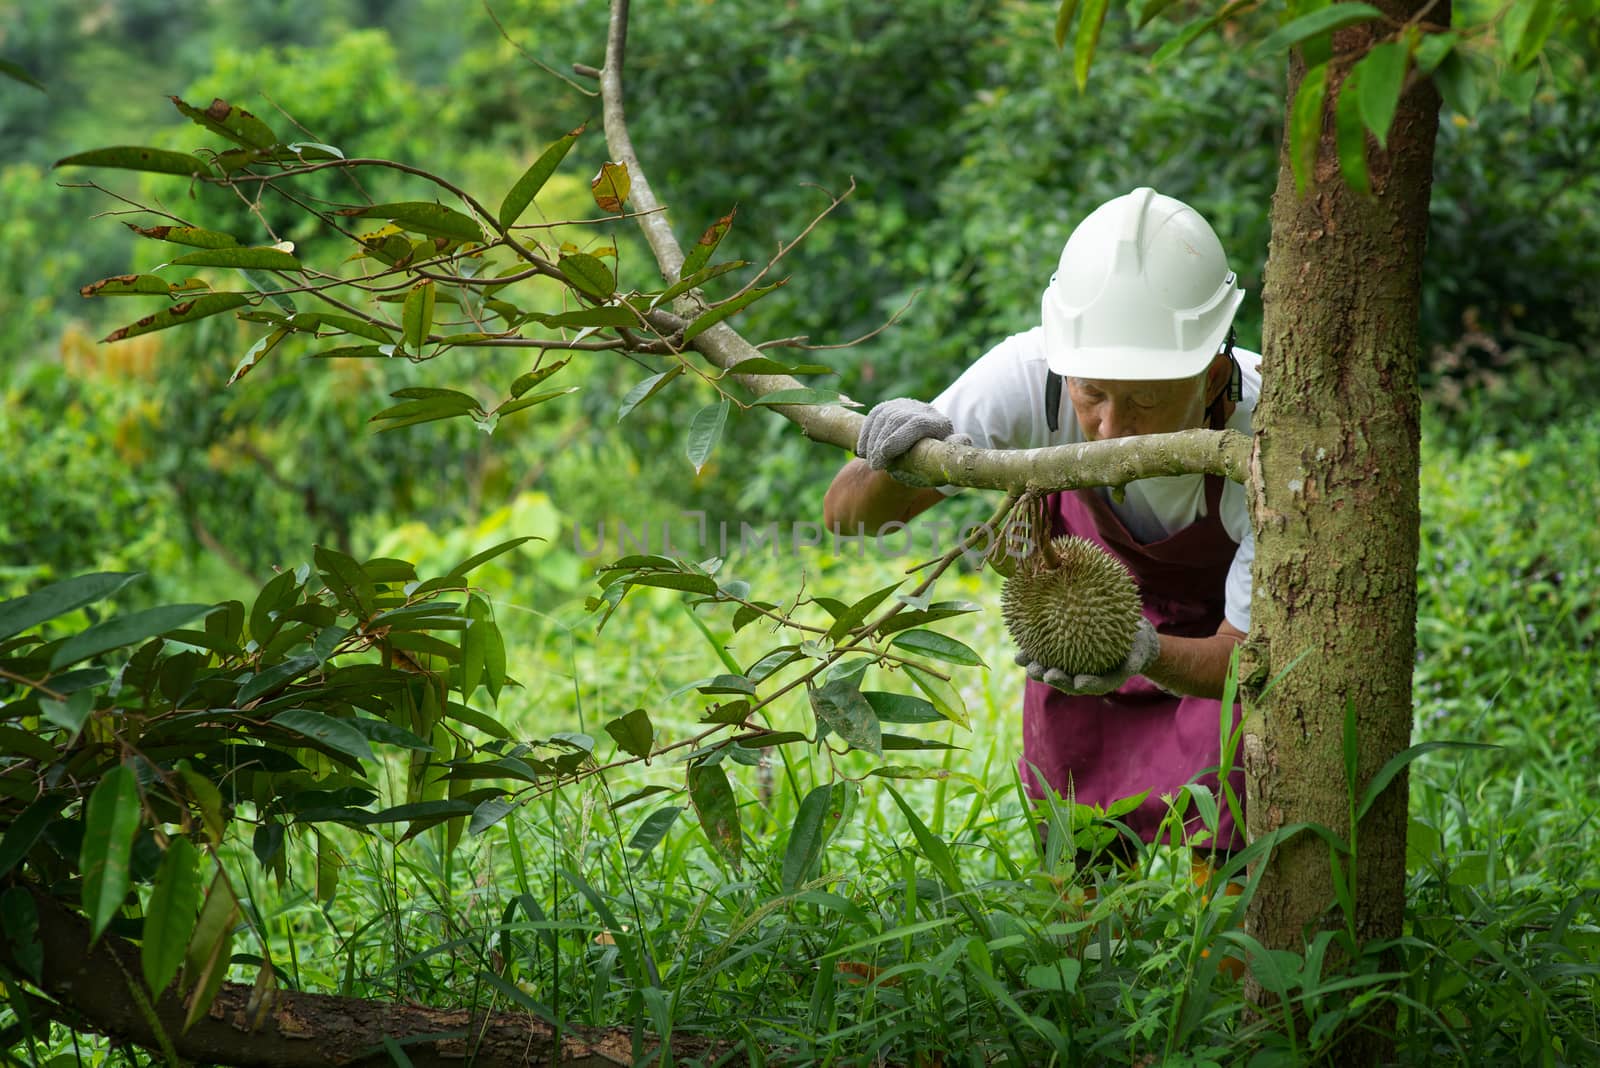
{"x":863,"y":498}
{"x":1195,"y":666}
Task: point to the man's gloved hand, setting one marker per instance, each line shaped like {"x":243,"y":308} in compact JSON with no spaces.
{"x":891,"y":428}
{"x":1146,"y":647}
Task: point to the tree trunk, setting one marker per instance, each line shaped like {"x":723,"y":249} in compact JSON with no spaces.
{"x":1334,"y":487}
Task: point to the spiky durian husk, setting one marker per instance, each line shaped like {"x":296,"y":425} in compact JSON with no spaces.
{"x":1077,"y":612}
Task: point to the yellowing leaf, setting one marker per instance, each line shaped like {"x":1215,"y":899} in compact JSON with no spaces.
{"x":611,"y":186}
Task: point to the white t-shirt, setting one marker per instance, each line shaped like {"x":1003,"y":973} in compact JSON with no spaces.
{"x":999,"y":401}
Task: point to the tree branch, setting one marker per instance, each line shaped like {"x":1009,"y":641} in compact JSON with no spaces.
{"x":1099,"y":463}
{"x":298,"y":1030}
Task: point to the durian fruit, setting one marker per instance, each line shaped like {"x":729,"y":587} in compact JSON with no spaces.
{"x":1072,"y":605}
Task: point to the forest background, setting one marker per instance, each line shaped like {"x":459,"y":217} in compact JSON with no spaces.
{"x":972,"y":155}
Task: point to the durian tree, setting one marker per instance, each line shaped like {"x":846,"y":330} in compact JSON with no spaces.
{"x":1332,"y":469}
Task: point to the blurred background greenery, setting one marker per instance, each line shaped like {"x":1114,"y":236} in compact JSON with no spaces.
{"x":972,"y":156}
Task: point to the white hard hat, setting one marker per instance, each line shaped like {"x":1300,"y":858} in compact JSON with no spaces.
{"x":1143,"y":291}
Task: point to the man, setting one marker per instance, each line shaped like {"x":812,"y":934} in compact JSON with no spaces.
{"x":1136,"y":338}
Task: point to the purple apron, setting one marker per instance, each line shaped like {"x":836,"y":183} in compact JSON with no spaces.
{"x":1139,"y":737}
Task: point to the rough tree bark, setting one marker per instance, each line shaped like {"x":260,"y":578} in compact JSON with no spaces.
{"x":1335,"y":509}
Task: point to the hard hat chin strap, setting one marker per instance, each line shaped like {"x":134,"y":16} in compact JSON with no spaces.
{"x":1235,"y":376}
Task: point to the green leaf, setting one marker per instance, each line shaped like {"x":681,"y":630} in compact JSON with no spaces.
{"x":236,"y":124}
{"x":1205,"y":803}
{"x":704,"y":429}
{"x":839,"y":707}
{"x":208,"y":954}
{"x":602,"y":316}
{"x":933,"y":847}
{"x":1351,"y":135}
{"x":1323,"y":20}
{"x":945,"y":697}
{"x":346,"y":579}
{"x":413,"y":413}
{"x":337,"y":734}
{"x":477,"y":560}
{"x":700,"y":254}
{"x":1432,"y":49}
{"x":128,"y":157}
{"x":424,"y":217}
{"x":1182,"y":39}
{"x":169,"y":916}
{"x":510,"y":406}
{"x":266,"y":259}
{"x":797,"y":396}
{"x":1059,"y":977}
{"x":416,"y":316}
{"x":911,"y":741}
{"x":533,"y":378}
{"x":535,"y":177}
{"x":306,"y":321}
{"x":1305,"y":125}
{"x":1064,"y":15}
{"x":639,"y":795}
{"x":125,"y":630}
{"x":848,"y":619}
{"x":1458,"y":84}
{"x":714,"y":803}
{"x":588,"y":275}
{"x":653,"y":828}
{"x":707,"y":319}
{"x":725,"y":684}
{"x":26,"y":828}
{"x":901,"y":708}
{"x":70,"y":714}
{"x":1379,"y":77}
{"x":1400,"y":761}
{"x":489,"y":812}
{"x":610,"y":187}
{"x":938,"y":646}
{"x":1089,"y":25}
{"x":1524,"y":43}
{"x":192,"y":236}
{"x":207,"y":798}
{"x":768,"y":739}
{"x":647,"y":389}
{"x":474,"y":645}
{"x":16,"y":73}
{"x":691,"y":281}
{"x":123,"y":285}
{"x":633,"y":732}
{"x":815,"y":823}
{"x":256,"y":352}
{"x":1150,"y":9}
{"x":178,"y":314}
{"x":761,"y":365}
{"x":48,"y":602}
{"x":110,"y":824}
{"x":385,"y":733}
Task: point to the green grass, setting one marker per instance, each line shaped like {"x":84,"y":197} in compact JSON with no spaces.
{"x":977,"y":951}
{"x":935,"y":928}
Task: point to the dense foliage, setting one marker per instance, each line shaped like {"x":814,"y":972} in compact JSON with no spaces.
{"x":286,"y":712}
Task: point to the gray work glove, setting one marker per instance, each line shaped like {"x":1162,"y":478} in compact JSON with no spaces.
{"x":1146,"y":647}
{"x":891,"y":428}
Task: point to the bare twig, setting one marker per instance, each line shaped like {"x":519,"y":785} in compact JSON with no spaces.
{"x":531,"y":58}
{"x":870,"y":334}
